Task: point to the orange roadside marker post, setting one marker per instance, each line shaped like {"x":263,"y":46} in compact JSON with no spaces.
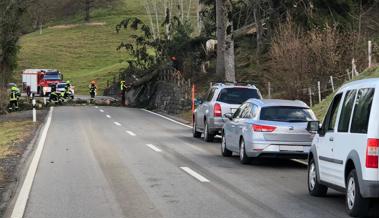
{"x":193,"y":97}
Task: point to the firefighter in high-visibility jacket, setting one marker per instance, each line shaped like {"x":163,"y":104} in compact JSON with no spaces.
{"x":123,"y":89}
{"x":67,"y":89}
{"x":13,"y":98}
{"x":53,"y":95}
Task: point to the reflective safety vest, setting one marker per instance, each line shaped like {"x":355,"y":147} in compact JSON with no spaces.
{"x":92,"y":88}
{"x":13,"y":96}
{"x":122,"y":85}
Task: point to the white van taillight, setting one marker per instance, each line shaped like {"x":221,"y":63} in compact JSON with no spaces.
{"x":217,"y":112}
{"x":372,"y":153}
{"x":263,"y":128}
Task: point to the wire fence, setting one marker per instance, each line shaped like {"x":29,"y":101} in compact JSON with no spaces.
{"x":319,"y":90}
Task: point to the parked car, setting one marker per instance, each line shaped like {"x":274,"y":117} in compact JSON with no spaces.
{"x":344,"y":154}
{"x":268,"y":128}
{"x":221,"y":99}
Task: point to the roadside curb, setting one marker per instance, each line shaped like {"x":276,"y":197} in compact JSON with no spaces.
{"x":10,"y":195}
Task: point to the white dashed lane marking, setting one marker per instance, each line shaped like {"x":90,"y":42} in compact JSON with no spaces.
{"x":194,"y":174}
{"x":117,"y":123}
{"x":131,"y":133}
{"x":102,"y":111}
{"x":153,"y":147}
{"x":300,"y":161}
{"x":109,"y":116}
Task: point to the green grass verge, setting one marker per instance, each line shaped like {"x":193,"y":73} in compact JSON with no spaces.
{"x":11,"y":133}
{"x":320,"y":109}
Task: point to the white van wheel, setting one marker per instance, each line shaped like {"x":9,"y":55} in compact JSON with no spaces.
{"x":356,"y":205}
{"x":314,"y":187}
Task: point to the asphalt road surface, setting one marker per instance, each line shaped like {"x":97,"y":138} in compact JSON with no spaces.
{"x":104,"y":162}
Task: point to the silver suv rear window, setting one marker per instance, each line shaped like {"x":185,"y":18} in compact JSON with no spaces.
{"x":286,"y":114}
{"x":237,"y":95}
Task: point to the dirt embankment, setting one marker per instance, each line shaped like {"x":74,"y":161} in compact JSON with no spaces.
{"x":17,"y":132}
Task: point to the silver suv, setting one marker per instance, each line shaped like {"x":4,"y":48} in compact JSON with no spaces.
{"x":221,"y":99}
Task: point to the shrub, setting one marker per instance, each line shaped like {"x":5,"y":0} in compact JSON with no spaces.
{"x":298,"y":59}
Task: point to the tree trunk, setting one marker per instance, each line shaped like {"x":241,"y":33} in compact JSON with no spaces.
{"x":225,"y":42}
{"x":198,"y":17}
{"x":87,"y":10}
{"x":230,"y":74}
{"x":258,"y":22}
{"x":220,"y":32}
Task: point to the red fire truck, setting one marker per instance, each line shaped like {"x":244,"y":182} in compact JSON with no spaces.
{"x":40,"y":81}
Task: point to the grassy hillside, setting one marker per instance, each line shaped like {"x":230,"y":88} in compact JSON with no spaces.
{"x":82,"y":52}
{"x":320,"y":109}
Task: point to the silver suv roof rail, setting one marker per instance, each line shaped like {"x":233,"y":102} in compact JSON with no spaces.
{"x":221,"y":84}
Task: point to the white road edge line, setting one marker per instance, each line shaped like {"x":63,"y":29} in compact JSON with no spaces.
{"x":102,"y":111}
{"x":194,"y":174}
{"x":23,"y":195}
{"x":153,"y":147}
{"x":117,"y":123}
{"x":300,"y":161}
{"x":109,"y":116}
{"x":130,"y":133}
{"x":167,"y":118}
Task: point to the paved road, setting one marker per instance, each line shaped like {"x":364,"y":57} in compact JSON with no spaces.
{"x":113,"y":162}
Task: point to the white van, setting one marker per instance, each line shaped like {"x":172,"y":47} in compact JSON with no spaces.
{"x":344,"y":152}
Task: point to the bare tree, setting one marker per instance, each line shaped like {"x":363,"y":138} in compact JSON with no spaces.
{"x":161,"y":13}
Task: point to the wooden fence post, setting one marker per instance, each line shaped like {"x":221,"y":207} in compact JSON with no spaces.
{"x":269,"y":89}
{"x":193,"y":97}
{"x":310,"y":97}
{"x":332,"y":82}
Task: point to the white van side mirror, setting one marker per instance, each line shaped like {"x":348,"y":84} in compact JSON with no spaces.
{"x":313,"y":126}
